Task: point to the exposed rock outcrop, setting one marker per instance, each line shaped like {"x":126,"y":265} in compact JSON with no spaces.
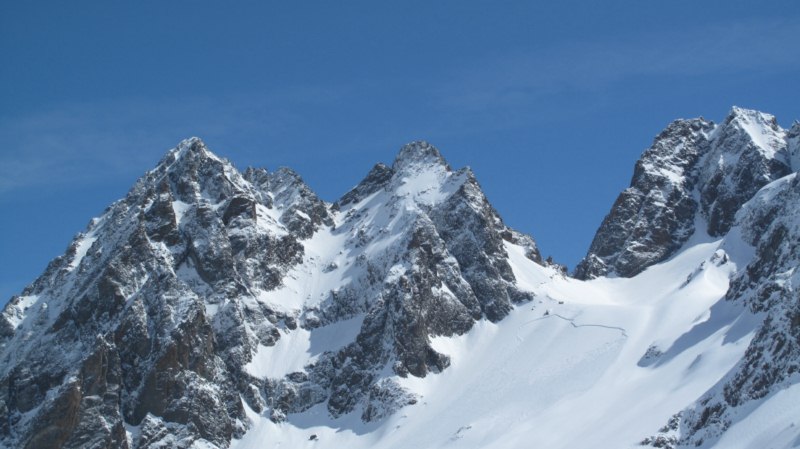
{"x":694,"y":178}
{"x":159,"y":312}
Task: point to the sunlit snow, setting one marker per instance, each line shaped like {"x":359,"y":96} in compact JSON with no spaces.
{"x":567,"y":370}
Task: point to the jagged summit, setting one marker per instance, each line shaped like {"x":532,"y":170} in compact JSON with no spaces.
{"x":177,"y":295}
{"x":418,"y":174}
{"x":418,"y":153}
{"x":190,"y":149}
{"x":193,"y":143}
{"x":746,"y":117}
{"x":694,"y":178}
{"x":762,"y":129}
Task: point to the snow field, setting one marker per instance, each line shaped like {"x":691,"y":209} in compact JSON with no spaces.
{"x":563,"y":371}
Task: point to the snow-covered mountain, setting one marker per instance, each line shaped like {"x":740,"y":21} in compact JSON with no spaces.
{"x":211,"y":308}
{"x":696,"y":175}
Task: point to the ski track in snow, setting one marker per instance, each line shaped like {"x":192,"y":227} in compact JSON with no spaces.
{"x":576,"y":326}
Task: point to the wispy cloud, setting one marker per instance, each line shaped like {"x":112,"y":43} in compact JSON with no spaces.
{"x":83,"y":143}
{"x":729,"y":49}
{"x":120,"y":136}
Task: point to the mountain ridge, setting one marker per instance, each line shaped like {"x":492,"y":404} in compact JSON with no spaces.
{"x":207,"y":288}
{"x":220,"y":242}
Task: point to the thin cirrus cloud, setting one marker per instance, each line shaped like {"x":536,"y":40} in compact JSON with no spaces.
{"x":51,"y":148}
{"x":56,"y":147}
{"x":113,"y":137}
{"x":515,"y":80}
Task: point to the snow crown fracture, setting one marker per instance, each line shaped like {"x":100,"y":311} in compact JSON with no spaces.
{"x":208,"y":299}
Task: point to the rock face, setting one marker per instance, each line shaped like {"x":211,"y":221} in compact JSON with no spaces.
{"x":735,"y":181}
{"x":164,"y":307}
{"x":769,"y":287}
{"x":424,"y":250}
{"x":694,"y":178}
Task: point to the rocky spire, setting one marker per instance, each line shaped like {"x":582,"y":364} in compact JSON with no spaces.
{"x":748,"y":151}
{"x":653,"y":217}
{"x":418,"y":153}
{"x":722,"y":166}
{"x":299,"y":208}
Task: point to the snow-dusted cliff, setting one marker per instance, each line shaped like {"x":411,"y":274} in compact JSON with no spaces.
{"x":696,"y":175}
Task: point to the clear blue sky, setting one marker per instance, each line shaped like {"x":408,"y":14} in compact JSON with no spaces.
{"x":549,"y":103}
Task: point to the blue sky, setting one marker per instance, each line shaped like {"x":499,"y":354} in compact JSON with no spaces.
{"x":549,"y":103}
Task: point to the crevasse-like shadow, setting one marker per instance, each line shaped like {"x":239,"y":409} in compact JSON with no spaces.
{"x":723,"y":314}
{"x":317,"y":416}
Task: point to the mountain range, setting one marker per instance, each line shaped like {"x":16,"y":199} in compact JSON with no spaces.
{"x":215,"y":308}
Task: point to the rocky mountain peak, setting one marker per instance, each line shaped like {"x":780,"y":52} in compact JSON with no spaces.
{"x":753,"y":130}
{"x":695,"y":173}
{"x":744,"y":117}
{"x":188,"y":154}
{"x":418,"y":154}
{"x":419,"y":175}
{"x":300,"y":209}
{"x":193,"y":144}
{"x":747,"y":151}
{"x":673,"y":152}
{"x":184,"y":286}
{"x":286,"y":184}
{"x":192,"y":173}
{"x":422,"y":177}
{"x":640,"y":229}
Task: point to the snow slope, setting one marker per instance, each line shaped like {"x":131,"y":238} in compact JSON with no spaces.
{"x":586,"y":364}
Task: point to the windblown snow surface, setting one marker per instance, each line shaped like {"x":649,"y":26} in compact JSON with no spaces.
{"x":598,"y":364}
